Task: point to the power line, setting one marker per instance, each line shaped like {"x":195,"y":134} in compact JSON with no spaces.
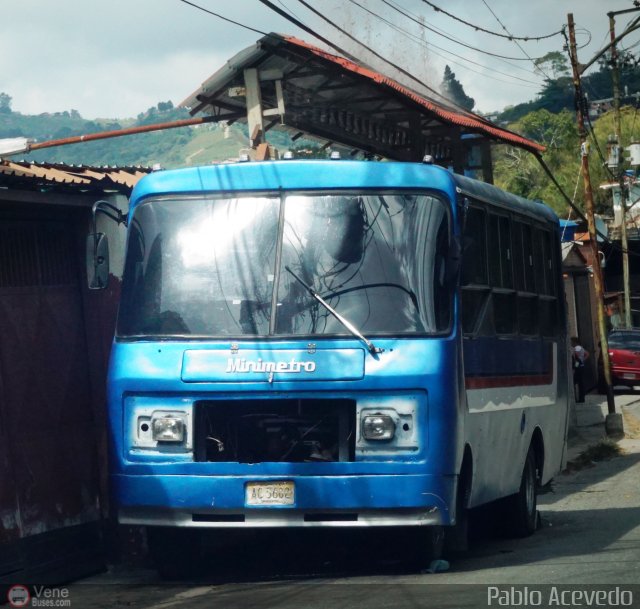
{"x":305,"y":28}
{"x":464,"y":44}
{"x":481,"y":29}
{"x":420,"y":21}
{"x":575,"y":208}
{"x":369,"y":49}
{"x":430,"y":46}
{"x":286,"y":8}
{"x":633,"y":123}
{"x":246,"y":27}
{"x":582,"y":102}
{"x":592,"y":133}
{"x":315,"y":34}
{"x":504,"y":27}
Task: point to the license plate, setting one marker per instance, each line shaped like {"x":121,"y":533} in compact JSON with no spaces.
{"x":270,"y":493}
{"x":629,"y":376}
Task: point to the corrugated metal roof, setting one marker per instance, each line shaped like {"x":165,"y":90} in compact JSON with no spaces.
{"x":32,"y":175}
{"x":341,"y":101}
{"x":456,"y":117}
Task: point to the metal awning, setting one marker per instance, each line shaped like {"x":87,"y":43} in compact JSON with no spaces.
{"x":284,"y":82}
{"x":30,"y":175}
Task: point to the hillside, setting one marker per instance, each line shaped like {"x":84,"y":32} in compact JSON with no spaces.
{"x":171,"y":148}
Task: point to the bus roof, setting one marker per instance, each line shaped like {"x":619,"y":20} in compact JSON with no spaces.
{"x":492,"y":194}
{"x":320,"y":174}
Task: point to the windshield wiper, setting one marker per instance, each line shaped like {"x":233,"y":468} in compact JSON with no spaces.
{"x":345,"y":322}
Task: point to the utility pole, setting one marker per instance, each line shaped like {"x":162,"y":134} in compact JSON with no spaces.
{"x":613,"y":421}
{"x":615,"y":74}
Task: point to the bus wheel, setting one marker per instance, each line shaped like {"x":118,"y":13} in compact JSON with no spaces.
{"x":522,"y":508}
{"x":456,"y":538}
{"x":176,"y":552}
{"x":426,"y":545}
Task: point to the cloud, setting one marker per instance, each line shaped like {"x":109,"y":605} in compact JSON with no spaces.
{"x":117,"y":58}
{"x":113,"y":58}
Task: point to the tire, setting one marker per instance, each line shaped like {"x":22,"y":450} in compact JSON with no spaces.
{"x":456,"y":538}
{"x":176,"y":552}
{"x":425,"y":544}
{"x":521,"y":509}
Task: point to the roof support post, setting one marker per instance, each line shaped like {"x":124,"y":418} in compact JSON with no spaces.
{"x":487,"y":163}
{"x":254,"y":106}
{"x":418,"y":144}
{"x":457,"y":151}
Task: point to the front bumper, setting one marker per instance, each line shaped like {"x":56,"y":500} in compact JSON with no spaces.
{"x":219,"y":501}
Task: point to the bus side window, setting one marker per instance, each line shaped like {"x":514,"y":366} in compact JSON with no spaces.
{"x":546,"y":268}
{"x":474,"y":257}
{"x":525,"y":254}
{"x":474,"y":274}
{"x":501,"y":274}
{"x":500,"y":257}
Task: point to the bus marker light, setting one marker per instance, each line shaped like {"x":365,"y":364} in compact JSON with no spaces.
{"x":378,"y":427}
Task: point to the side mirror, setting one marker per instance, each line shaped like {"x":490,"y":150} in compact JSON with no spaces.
{"x":97,"y":261}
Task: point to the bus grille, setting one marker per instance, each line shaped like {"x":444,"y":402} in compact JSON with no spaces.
{"x":287,"y":430}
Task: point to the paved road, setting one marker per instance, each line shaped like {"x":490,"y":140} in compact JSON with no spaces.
{"x":590,"y":536}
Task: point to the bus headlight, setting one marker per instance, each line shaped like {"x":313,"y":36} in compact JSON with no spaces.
{"x":378,"y":427}
{"x":167,"y":429}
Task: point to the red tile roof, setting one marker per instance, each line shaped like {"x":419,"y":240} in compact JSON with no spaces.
{"x":456,"y":117}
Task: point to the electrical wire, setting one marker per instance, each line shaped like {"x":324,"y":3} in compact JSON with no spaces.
{"x":332,"y":45}
{"x":592,"y":134}
{"x":632,"y":46}
{"x":246,"y":27}
{"x":420,"y":21}
{"x":481,"y":29}
{"x":580,"y":101}
{"x":575,"y":208}
{"x":575,"y":190}
{"x":300,"y":24}
{"x":635,"y":114}
{"x":582,"y":30}
{"x":306,"y":28}
{"x":430,"y":46}
{"x":548,"y":171}
{"x":464,"y":44}
{"x":632,"y":26}
{"x":504,"y":27}
{"x":286,"y":8}
{"x":575,"y":194}
{"x":633,"y":21}
{"x":369,"y":49}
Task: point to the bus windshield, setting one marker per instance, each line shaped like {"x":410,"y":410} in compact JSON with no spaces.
{"x":227,"y":266}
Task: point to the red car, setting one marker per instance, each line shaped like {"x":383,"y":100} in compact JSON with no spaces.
{"x":624,"y":355}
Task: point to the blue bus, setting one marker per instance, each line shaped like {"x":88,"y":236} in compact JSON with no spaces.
{"x":334,"y":344}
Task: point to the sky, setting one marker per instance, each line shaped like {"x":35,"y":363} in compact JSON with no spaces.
{"x":116,"y":59}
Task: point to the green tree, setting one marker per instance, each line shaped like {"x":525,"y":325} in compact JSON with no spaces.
{"x":555,"y":62}
{"x":5,"y":103}
{"x":165,"y":106}
{"x":520,"y":172}
{"x":557,"y":95}
{"x":557,"y":92}
{"x":452,"y":89}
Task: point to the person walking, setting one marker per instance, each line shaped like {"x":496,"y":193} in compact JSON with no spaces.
{"x":579,"y":356}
